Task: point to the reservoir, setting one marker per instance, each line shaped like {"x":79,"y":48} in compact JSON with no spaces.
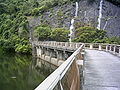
{"x":22,"y":72}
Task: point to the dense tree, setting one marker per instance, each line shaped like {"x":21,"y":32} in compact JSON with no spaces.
{"x":45,"y":33}
{"x":42,"y":32}
{"x":93,"y":35}
{"x":14,"y":34}
{"x":89,"y":34}
{"x":59,"y":34}
{"x":13,"y":22}
{"x":13,"y":26}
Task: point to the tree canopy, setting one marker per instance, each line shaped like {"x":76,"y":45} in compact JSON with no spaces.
{"x":89,"y":34}
{"x":14,"y":33}
{"x":46,"y":33}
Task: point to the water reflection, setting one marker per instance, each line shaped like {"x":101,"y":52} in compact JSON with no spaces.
{"x":20,"y":72}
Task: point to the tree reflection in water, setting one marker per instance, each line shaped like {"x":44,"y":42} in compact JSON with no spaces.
{"x":21,"y":72}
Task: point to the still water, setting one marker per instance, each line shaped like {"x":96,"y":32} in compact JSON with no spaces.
{"x":21,"y":72}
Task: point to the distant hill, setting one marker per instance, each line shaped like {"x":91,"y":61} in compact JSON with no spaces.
{"x":18,"y":17}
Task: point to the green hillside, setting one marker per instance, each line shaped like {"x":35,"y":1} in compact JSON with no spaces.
{"x":14,"y":33}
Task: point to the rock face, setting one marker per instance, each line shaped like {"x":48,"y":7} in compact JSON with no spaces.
{"x":60,"y":16}
{"x":88,"y":12}
{"x":111,"y":16}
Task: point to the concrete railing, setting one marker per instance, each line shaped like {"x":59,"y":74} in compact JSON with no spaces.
{"x":112,"y":48}
{"x":59,"y":45}
{"x":66,"y":76}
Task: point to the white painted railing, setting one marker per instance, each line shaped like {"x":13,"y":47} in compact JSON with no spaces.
{"x":69,"y":68}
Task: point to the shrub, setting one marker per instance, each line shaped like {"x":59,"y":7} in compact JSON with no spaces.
{"x":37,"y":11}
{"x":22,"y":48}
{"x":89,"y":34}
{"x":42,"y":32}
{"x":59,"y":34}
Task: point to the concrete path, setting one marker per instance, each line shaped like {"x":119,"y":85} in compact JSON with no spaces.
{"x":102,"y":71}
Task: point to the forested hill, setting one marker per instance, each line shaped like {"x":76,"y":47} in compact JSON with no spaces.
{"x":14,"y":33}
{"x":16,"y":15}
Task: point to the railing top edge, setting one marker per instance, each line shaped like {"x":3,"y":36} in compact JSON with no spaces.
{"x":48,"y":82}
{"x":47,"y":42}
{"x":103,"y":44}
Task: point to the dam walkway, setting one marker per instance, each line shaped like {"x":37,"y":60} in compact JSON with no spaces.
{"x":101,"y":71}
{"x":81,"y":66}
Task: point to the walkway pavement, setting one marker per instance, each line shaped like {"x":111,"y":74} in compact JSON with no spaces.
{"x":102,"y":71}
